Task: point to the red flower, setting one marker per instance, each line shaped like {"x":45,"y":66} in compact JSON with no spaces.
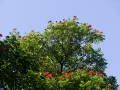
{"x":23,"y":38}
{"x":60,"y":22}
{"x":49,"y":21}
{"x":84,"y":69}
{"x":0,"y":35}
{"x":110,"y":86}
{"x":99,"y":74}
{"x":70,"y":74}
{"x":100,"y":32}
{"x":89,"y":26}
{"x":67,"y":75}
{"x":14,"y":28}
{"x":75,"y":16}
{"x":91,"y":72}
{"x":49,"y":76}
{"x":94,"y":31}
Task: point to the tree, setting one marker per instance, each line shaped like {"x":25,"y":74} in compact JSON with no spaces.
{"x":15,"y":60}
{"x":62,"y":57}
{"x":9,"y":59}
{"x":69,"y":43}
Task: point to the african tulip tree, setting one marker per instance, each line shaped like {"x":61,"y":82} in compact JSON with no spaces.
{"x":35,"y":60}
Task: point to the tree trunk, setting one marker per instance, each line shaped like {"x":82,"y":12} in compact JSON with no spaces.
{"x":61,"y":68}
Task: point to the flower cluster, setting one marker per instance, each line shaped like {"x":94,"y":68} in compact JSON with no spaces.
{"x":64,"y":22}
{"x":14,"y":28}
{"x":74,"y":17}
{"x":0,"y":35}
{"x":98,"y":32}
{"x":47,"y":75}
{"x":60,"y":23}
{"x":91,"y":72}
{"x":50,"y":21}
{"x":95,"y":31}
{"x":99,"y":74}
{"x":23,"y":38}
{"x":89,"y":26}
{"x":110,"y":86}
{"x":84,"y":68}
{"x":65,"y":76}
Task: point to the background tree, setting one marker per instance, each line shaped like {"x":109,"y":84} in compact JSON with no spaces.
{"x":16,"y":59}
{"x":10,"y":56}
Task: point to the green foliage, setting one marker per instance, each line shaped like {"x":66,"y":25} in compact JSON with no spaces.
{"x":61,"y":58}
{"x":69,"y":43}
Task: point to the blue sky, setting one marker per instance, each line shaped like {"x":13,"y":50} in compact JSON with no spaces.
{"x":104,"y":15}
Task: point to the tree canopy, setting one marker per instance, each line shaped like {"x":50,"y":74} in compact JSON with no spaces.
{"x":60,"y":58}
